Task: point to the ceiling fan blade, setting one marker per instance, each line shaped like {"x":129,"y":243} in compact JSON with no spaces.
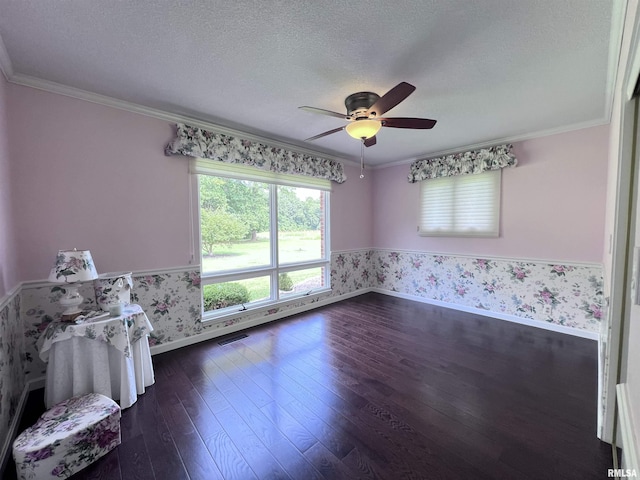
{"x":370,"y":142}
{"x":324,"y":134}
{"x":405,"y":122}
{"x":322,"y":111}
{"x":392,"y":98}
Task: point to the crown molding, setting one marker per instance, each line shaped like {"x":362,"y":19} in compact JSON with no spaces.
{"x":499,"y":141}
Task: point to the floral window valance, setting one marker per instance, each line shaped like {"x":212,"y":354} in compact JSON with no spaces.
{"x":476,"y":161}
{"x":196,"y":142}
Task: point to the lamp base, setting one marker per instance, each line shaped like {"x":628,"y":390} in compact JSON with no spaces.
{"x":71,"y":301}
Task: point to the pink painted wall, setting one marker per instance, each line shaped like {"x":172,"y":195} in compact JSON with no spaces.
{"x":89,"y":176}
{"x":553,"y":203}
{"x":8,"y":257}
{"x":93,"y":177}
{"x":351,"y":212}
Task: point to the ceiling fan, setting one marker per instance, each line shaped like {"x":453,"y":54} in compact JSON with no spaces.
{"x":365,"y":110}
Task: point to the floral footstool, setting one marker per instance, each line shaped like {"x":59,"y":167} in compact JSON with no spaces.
{"x":68,"y":437}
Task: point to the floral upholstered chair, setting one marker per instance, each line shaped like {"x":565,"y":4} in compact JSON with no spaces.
{"x":68,"y":437}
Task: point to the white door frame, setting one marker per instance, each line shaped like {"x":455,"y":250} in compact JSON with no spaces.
{"x":622,"y":241}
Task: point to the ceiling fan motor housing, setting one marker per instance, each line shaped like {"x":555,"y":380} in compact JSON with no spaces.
{"x":359,"y":103}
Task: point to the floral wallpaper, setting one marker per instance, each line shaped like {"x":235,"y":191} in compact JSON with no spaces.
{"x":172,"y":303}
{"x":12,"y":376}
{"x":568,"y":295}
{"x":351,"y":271}
{"x":476,"y":161}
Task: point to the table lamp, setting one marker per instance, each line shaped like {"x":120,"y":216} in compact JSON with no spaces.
{"x":72,"y":267}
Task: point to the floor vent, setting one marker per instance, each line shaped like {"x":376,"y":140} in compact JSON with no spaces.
{"x":232,"y":339}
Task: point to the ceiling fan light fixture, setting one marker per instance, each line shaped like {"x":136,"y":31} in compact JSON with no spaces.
{"x":363,"y":129}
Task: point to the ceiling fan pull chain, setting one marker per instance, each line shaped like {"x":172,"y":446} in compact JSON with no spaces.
{"x":362,"y":159}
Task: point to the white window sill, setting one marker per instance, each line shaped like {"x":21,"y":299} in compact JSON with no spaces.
{"x":230,"y":313}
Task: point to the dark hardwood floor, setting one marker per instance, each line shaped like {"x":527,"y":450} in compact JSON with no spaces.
{"x":372,"y":387}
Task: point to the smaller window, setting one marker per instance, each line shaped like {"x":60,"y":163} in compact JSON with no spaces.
{"x":461,"y":206}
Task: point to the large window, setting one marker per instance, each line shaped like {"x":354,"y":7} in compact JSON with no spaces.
{"x":263,"y":237}
{"x":463,"y":205}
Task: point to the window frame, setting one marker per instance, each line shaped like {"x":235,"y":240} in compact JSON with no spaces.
{"x":275,"y":268}
{"x":459,"y":230}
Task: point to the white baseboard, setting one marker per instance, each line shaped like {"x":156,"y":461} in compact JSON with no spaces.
{"x":630,"y":454}
{"x":501,"y":316}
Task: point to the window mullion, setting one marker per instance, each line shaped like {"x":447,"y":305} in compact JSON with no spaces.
{"x":326,"y":229}
{"x":273,"y":231}
{"x":236,"y":275}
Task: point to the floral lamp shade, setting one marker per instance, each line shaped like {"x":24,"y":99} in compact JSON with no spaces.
{"x":73,"y":266}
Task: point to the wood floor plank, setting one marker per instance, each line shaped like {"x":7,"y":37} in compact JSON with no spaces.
{"x":107,"y":469}
{"x":163,"y":454}
{"x":256,"y":454}
{"x":228,"y":458}
{"x":327,"y":464}
{"x":195,"y":454}
{"x":292,"y":429}
{"x":236,"y":375}
{"x":365,"y":468}
{"x":338,"y":442}
{"x":134,"y":460}
{"x":206,"y":423}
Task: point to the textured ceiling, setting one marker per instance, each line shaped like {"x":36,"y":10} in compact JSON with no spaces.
{"x":488,"y":70}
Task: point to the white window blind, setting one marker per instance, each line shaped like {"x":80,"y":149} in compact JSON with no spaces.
{"x":463,"y":205}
